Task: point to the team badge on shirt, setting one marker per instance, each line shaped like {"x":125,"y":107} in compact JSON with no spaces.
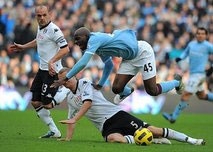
{"x":55,"y":30}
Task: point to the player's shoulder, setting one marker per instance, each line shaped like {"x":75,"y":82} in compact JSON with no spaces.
{"x":208,"y":43}
{"x":53,"y":28}
{"x":95,"y":35}
{"x":193,"y":42}
{"x":84,"y":81}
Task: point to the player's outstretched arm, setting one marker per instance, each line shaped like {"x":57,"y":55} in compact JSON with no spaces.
{"x":108,"y":67}
{"x":70,"y":131}
{"x":20,"y":47}
{"x":75,"y":69}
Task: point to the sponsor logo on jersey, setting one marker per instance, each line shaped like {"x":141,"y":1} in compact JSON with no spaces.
{"x":40,"y":37}
{"x":84,"y":82}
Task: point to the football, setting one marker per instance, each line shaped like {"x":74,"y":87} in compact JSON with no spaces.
{"x":143,"y":136}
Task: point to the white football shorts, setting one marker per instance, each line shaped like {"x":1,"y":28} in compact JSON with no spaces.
{"x":144,"y":62}
{"x":195,"y":83}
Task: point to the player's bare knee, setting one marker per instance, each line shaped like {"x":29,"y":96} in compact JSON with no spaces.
{"x":116,"y":90}
{"x":111,"y":138}
{"x":152,"y":92}
{"x":36,"y":104}
{"x":202,"y":97}
{"x":48,"y":106}
{"x":156,"y":131}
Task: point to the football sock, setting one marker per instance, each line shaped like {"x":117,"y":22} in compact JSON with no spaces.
{"x":175,"y":135}
{"x":178,"y":109}
{"x":169,"y":85}
{"x":45,"y":116}
{"x":130,"y":139}
{"x":126,"y":91}
{"x":191,"y":140}
{"x":210,"y":96}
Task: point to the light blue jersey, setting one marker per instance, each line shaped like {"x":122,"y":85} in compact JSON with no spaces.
{"x":198,"y":53}
{"x":121,"y":43}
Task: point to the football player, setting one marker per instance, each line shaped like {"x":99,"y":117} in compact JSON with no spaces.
{"x":137,"y":56}
{"x":51,"y":46}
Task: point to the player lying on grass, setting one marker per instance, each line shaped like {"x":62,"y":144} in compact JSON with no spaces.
{"x":114,"y":124}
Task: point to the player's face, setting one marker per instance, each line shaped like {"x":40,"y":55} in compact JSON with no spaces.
{"x":201,"y":35}
{"x":42,"y":16}
{"x":81,"y":41}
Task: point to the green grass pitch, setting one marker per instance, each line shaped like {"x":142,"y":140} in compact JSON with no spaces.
{"x":19,"y":132}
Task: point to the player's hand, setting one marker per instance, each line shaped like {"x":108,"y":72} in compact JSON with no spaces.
{"x":16,"y":47}
{"x":58,"y":83}
{"x":70,"y":121}
{"x":51,"y":68}
{"x":97,"y":87}
{"x":63,"y":139}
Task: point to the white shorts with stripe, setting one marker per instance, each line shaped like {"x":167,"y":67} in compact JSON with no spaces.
{"x":144,"y":62}
{"x":195,"y":83}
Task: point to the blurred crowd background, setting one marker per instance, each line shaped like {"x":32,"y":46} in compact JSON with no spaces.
{"x":167,"y":25}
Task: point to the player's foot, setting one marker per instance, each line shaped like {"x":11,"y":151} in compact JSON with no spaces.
{"x":168,"y":117}
{"x":195,"y":141}
{"x":118,"y":98}
{"x":200,"y":142}
{"x":51,"y":134}
{"x":180,"y":88}
{"x":161,"y":141}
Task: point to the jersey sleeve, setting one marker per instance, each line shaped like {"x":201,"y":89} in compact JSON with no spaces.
{"x":58,"y":37}
{"x":185,"y":52}
{"x":61,"y":94}
{"x":79,"y":65}
{"x":108,"y":67}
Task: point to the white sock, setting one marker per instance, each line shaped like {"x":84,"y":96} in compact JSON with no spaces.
{"x":130,"y":139}
{"x":44,"y":115}
{"x":172,"y":134}
{"x":191,"y":140}
{"x":180,"y":137}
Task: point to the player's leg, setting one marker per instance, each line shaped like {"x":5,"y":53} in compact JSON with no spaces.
{"x":203,"y":96}
{"x":38,"y":90}
{"x":120,"y":87}
{"x":193,"y":85}
{"x":154,"y":89}
{"x":120,"y":128}
{"x":119,"y":138}
{"x":59,"y":97}
{"x":147,"y":65}
{"x":45,"y":116}
{"x":174,"y":135}
{"x":183,"y":104}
